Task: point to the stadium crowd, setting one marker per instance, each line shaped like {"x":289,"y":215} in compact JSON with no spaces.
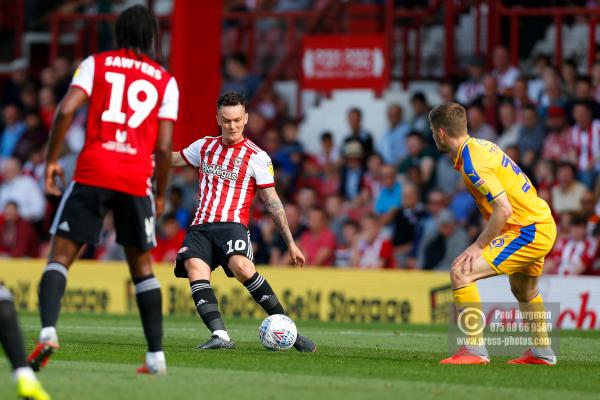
{"x":394,"y":202}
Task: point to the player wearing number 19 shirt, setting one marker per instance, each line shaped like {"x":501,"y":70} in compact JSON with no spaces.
{"x":519,"y":233}
{"x":132,"y":106}
{"x":232,"y":170}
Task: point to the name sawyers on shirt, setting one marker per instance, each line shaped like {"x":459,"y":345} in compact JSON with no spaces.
{"x":215,"y":169}
{"x":129,"y":63}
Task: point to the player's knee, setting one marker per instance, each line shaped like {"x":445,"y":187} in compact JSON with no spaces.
{"x":242,"y":268}
{"x":458,"y":278}
{"x":521,"y":294}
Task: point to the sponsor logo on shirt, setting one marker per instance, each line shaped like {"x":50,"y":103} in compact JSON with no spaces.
{"x":481,"y":187}
{"x":215,"y":169}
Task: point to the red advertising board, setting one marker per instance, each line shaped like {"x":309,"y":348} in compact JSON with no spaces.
{"x":344,"y":62}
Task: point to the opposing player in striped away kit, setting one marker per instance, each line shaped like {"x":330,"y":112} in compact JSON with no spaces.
{"x":132,"y":106}
{"x":232,"y":169}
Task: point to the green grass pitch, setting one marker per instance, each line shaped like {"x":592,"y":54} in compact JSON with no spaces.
{"x":99,"y":355}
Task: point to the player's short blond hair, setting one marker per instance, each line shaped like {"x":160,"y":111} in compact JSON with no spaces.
{"x":452,"y":117}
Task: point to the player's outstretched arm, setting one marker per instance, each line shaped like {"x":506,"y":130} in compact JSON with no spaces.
{"x":162,"y":160}
{"x":274,"y":206}
{"x":63,"y":117}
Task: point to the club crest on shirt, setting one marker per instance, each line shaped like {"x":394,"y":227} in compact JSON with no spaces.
{"x":498,"y":242}
{"x":238,"y":161}
{"x":481,"y":187}
{"x":182,"y":250}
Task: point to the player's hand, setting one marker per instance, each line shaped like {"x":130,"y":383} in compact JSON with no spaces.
{"x":159,"y":206}
{"x":53,"y":169}
{"x":296,"y":255}
{"x":466,"y":259}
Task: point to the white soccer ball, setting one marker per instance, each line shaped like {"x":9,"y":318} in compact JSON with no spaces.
{"x":278,"y":332}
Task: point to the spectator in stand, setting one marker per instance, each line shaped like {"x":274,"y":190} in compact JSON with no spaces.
{"x":318,"y":241}
{"x":588,"y":210}
{"x":306,"y":199}
{"x":536,"y":84}
{"x":406,"y":225}
{"x":478,"y":127}
{"x":418,"y":156}
{"x":557,"y":143}
{"x":510,"y":126}
{"x":238,"y":78}
{"x":567,"y":194}
{"x":462,"y":204}
{"x":11,"y":92}
{"x":389,"y":199}
{"x":372,"y":177}
{"x":18,"y":238}
{"x":544,"y":175}
{"x":343,"y":251}
{"x":169,"y":240}
{"x":32,"y":139}
{"x":595,"y":78}
{"x":392,"y":145}
{"x":22,"y":190}
{"x":29,"y":98}
{"x":490,"y":100}
{"x":445,"y":175}
{"x":420,"y":121}
{"x":552,"y":95}
{"x":47,"y":106}
{"x":336,"y":212}
{"x":271,"y":142}
{"x":447,"y":92}
{"x":175,"y":206}
{"x":290,"y":155}
{"x":531,"y":136}
{"x":279,"y":250}
{"x":583,"y":92}
{"x":574,"y":254}
{"x":505,"y":73}
{"x":585,"y":138}
{"x":441,"y":249}
{"x":472,"y":87}
{"x":569,"y":78}
{"x":357,"y":133}
{"x":14,"y":128}
{"x":521,"y":97}
{"x":329,"y":154}
{"x":436,"y":204}
{"x":371,"y":249}
{"x":351,"y":179}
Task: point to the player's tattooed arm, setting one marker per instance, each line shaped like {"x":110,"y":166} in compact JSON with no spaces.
{"x":274,"y":207}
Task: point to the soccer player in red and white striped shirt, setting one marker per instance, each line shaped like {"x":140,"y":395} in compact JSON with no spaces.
{"x":232,"y":170}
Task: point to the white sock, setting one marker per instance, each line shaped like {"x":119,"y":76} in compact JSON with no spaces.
{"x":156,"y":362}
{"x":48,"y":334}
{"x":222,"y":334}
{"x":24,"y":372}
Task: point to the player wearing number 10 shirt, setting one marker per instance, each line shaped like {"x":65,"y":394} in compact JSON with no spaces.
{"x":232,"y":170}
{"x":519,"y":233}
{"x":132,"y":106}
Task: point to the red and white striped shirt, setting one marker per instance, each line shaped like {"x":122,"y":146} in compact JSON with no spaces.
{"x":229,"y":177}
{"x":571,"y":253}
{"x":587,"y":145}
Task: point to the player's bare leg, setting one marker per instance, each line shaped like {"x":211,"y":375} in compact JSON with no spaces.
{"x":465,"y":295}
{"x":207,"y":305}
{"x":525,"y":290}
{"x":260,"y":290}
{"x":63,"y":252}
{"x":149,"y":301}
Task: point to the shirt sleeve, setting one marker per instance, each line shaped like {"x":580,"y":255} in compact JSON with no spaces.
{"x":83,"y":77}
{"x":261,"y":169}
{"x":191,"y":154}
{"x":482,"y":173}
{"x":170,"y":101}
